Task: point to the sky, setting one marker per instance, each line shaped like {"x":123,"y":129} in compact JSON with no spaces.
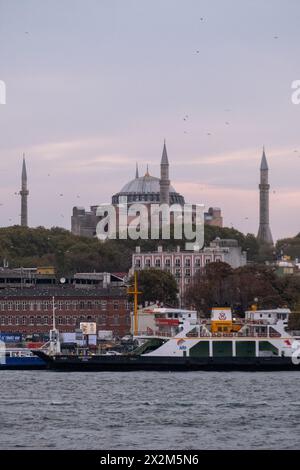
{"x":92,"y":86}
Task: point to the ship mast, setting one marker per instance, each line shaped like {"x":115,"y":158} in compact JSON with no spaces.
{"x":135,"y":293}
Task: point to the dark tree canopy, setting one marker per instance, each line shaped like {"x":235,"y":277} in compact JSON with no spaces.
{"x":157,"y":285}
{"x":220,"y":285}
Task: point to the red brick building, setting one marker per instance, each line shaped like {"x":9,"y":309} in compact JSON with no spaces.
{"x":30,"y":310}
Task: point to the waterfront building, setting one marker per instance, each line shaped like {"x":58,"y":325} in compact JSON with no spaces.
{"x":30,"y":310}
{"x":185,"y":264}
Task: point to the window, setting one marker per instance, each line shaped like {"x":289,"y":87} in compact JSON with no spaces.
{"x":148,"y":262}
{"x":116,"y":305}
{"x":60,"y":305}
{"x":168,"y":262}
{"x":45,"y":320}
{"x":103,"y":304}
{"x":207,"y":261}
{"x":177,"y":262}
{"x":102,"y":318}
{"x":197,"y":262}
{"x":188,"y":272}
{"x":24,"y":322}
{"x":157,"y":263}
{"x":31,"y":320}
{"x":38,"y":320}
{"x":2,"y":320}
{"x":188,"y":262}
{"x":177,"y":272}
{"x":89,"y":305}
{"x":81,"y":304}
{"x":138,"y":263}
{"x":10,"y":320}
{"x":17,"y":305}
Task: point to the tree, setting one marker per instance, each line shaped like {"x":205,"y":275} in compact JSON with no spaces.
{"x":218,"y":284}
{"x":157,"y":285}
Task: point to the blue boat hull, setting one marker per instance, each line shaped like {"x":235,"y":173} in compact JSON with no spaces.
{"x":23,"y":363}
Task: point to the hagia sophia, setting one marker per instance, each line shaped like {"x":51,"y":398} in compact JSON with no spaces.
{"x":147,"y":189}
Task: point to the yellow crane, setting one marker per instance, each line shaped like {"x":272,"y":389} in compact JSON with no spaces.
{"x":135,"y":294}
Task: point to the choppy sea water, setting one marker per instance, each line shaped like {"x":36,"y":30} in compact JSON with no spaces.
{"x":149,"y":410}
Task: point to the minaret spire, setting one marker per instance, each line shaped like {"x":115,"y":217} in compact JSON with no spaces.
{"x":137,"y":170}
{"x":264,"y":233}
{"x":164,"y":177}
{"x":24,"y":195}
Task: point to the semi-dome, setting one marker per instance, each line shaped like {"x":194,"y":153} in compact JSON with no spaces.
{"x":146,"y":189}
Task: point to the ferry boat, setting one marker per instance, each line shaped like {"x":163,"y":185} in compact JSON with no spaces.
{"x":180,"y":341}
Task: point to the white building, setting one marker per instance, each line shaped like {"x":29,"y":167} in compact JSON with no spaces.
{"x":185,"y":264}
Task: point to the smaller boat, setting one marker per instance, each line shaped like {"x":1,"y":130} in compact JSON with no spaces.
{"x":20,"y":359}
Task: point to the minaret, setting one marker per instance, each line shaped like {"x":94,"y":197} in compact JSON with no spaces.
{"x":164,"y":181}
{"x":136,"y":171}
{"x":264,"y":233}
{"x":24,"y":195}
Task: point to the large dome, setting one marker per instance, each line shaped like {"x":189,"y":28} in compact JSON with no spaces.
{"x":147,"y":189}
{"x":144,"y":184}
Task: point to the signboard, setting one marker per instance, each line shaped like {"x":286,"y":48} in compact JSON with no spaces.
{"x":221,"y":314}
{"x":10,"y":337}
{"x":88,"y":328}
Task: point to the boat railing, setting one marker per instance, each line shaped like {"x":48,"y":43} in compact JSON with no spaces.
{"x":214,"y":335}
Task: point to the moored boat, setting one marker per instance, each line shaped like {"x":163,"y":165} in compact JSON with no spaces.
{"x":181,"y":342}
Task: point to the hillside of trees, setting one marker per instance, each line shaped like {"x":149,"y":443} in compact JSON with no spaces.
{"x":58,"y":247}
{"x":220,"y":285}
{"x":289,"y":247}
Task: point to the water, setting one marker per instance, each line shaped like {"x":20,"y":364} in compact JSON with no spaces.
{"x":149,"y":410}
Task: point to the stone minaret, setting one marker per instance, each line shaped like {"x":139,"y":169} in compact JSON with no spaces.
{"x":264,"y":233}
{"x":24,"y":195}
{"x":164,"y":181}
